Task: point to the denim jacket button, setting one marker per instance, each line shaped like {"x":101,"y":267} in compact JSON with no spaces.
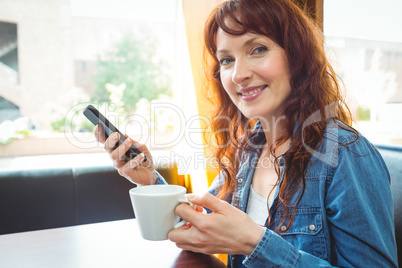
{"x":240,"y":180}
{"x":283,"y":228}
{"x":312,"y":227}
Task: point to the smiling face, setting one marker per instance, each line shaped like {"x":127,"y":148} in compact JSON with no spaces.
{"x":254,"y":72}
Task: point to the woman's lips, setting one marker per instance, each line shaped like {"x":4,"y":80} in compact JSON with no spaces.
{"x":252,"y":93}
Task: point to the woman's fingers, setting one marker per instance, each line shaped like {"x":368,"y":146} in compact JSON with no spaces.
{"x":205,"y":200}
{"x":200,"y":209}
{"x":142,"y":147}
{"x":99,"y":135}
{"x":111,"y":141}
{"x":227,"y":230}
{"x":118,"y":154}
{"x":188,"y":213}
{"x":136,"y":161}
{"x":135,"y":170}
{"x":181,"y":236}
{"x":209,"y":201}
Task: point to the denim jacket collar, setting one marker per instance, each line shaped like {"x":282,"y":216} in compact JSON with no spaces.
{"x":250,"y":159}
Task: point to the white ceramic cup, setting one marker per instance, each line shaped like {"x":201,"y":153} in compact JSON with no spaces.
{"x":154,"y":209}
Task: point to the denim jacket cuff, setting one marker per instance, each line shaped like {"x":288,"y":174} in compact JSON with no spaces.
{"x":285,"y":254}
{"x":160,"y":179}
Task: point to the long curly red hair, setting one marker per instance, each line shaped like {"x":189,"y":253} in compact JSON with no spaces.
{"x":314,"y":88}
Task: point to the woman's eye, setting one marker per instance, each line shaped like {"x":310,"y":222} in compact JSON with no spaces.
{"x":260,"y":49}
{"x":225,"y":61}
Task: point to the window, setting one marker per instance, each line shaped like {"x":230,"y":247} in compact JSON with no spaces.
{"x":365,"y":44}
{"x":9,"y":46}
{"x":8,"y":71}
{"x":119,"y":55}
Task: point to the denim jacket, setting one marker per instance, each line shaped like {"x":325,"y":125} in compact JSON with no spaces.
{"x":344,"y":218}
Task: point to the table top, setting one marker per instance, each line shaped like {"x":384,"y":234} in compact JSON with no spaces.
{"x":107,"y":244}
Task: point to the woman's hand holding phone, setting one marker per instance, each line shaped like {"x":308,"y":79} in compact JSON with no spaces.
{"x":135,"y":170}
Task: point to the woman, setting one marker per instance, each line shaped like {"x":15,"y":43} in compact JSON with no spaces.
{"x":298,"y":187}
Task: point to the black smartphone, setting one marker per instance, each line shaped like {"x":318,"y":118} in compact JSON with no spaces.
{"x":97,"y":118}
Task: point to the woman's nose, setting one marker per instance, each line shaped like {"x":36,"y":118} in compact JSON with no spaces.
{"x":241,"y":72}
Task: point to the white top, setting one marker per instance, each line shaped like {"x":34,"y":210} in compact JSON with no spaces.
{"x":257,"y":207}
